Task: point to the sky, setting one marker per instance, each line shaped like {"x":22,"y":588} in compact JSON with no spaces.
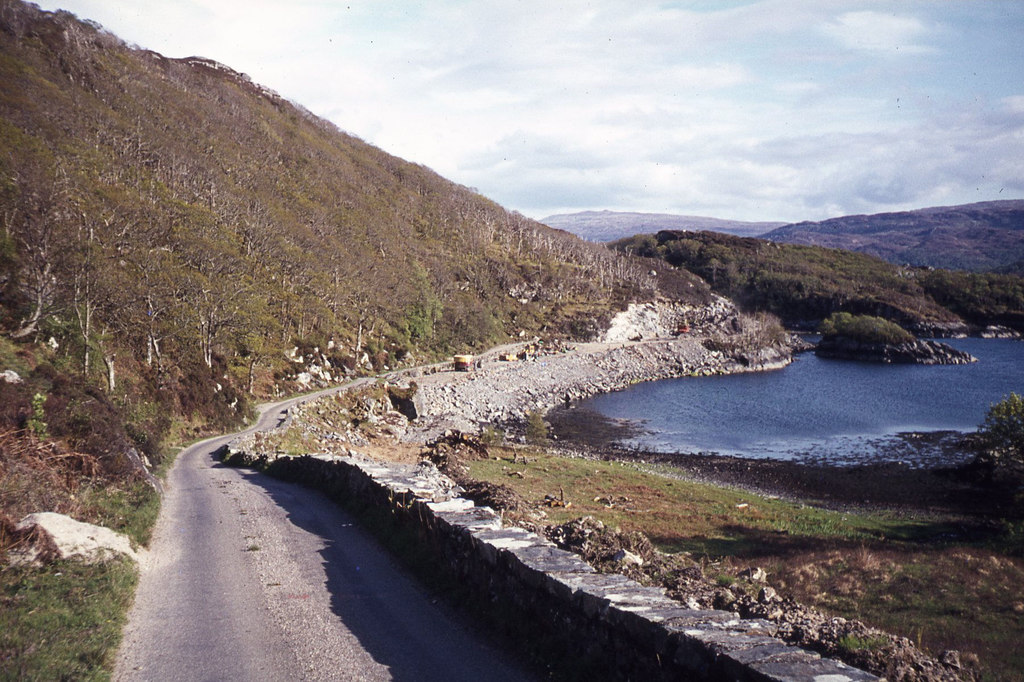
{"x":774,"y":110}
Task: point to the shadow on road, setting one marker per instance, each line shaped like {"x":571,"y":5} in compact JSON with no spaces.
{"x":395,"y":621}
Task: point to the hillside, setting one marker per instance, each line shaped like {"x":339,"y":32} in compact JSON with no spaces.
{"x":979,"y":237}
{"x":805,"y":284}
{"x":183,"y":238}
{"x":607,"y":226}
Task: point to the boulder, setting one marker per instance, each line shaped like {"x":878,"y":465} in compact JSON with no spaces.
{"x":49,"y":536}
{"x":626,"y":558}
{"x":755,"y":574}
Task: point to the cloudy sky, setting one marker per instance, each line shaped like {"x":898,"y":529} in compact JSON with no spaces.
{"x":771,"y":110}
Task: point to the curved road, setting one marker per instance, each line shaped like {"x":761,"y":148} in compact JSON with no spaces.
{"x":251,"y":578}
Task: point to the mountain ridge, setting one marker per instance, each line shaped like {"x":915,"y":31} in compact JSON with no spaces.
{"x":981,"y":236}
{"x":608,"y":226}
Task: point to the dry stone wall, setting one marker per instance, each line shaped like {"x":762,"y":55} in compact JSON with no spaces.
{"x":604,"y":621}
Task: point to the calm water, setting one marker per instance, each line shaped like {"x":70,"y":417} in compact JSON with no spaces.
{"x":829,"y":410}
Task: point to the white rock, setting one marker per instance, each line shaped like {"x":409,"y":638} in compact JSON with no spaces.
{"x":10,"y":376}
{"x":72,"y":539}
{"x":624,"y":556}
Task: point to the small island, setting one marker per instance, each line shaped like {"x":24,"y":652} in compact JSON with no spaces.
{"x":874,"y":339}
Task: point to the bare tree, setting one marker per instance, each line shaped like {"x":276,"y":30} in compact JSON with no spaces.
{"x":38,"y":231}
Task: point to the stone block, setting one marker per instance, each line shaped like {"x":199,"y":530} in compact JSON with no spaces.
{"x":455,"y":504}
{"x":543,"y":559}
{"x":591,"y":596}
{"x":474,"y":519}
{"x":797,"y":668}
{"x":563,"y":585}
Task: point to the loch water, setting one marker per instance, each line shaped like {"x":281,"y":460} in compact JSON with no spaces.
{"x":830,"y":411}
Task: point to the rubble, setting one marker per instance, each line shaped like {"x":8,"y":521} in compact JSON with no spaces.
{"x":895,"y":658}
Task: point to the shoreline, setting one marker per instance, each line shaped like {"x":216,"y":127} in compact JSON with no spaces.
{"x":948,"y":505}
{"x":501,"y":394}
{"x":873,"y":486}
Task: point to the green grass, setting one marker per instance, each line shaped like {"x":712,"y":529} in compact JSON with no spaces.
{"x":63,"y":621}
{"x":854,"y":643}
{"x":131,"y":509}
{"x":11,"y":358}
{"x":680,"y":515}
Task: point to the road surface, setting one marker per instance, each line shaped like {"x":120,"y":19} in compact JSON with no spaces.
{"x":251,"y":578}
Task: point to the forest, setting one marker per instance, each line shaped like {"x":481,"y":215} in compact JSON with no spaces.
{"x":803,"y":285}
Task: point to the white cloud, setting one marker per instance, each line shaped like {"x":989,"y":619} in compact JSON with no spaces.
{"x":879,"y":32}
{"x":1014,"y":103}
{"x":770,"y":109}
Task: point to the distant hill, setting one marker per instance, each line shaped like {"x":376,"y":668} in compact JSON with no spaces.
{"x":607,"y":226}
{"x":979,"y":237}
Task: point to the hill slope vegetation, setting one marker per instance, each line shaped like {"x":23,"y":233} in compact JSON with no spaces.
{"x":805,"y":284}
{"x":182,"y":236}
{"x":177,"y":239}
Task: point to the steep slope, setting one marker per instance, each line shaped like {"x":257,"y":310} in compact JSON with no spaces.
{"x":607,"y":226}
{"x":171,"y":219}
{"x":178,"y":240}
{"x":982,"y":236}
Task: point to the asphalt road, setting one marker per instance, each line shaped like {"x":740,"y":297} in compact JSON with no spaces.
{"x":251,"y":578}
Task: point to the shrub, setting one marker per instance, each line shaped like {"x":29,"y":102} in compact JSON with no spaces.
{"x":1002,"y":433}
{"x":492,"y":436}
{"x":536,"y":427}
{"x":37,"y":421}
{"x":864,"y":328}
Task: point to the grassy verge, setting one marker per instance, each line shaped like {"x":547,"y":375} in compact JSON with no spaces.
{"x":893,"y":571}
{"x":130,"y":509}
{"x":63,"y":621}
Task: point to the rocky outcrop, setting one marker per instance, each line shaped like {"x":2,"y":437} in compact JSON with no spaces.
{"x":10,"y":376}
{"x":47,"y":536}
{"x":919,"y":352}
{"x":995,"y":331}
{"x":940,"y":330}
{"x":641,"y":321}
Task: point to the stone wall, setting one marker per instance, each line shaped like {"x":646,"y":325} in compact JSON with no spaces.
{"x":601,"y":622}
